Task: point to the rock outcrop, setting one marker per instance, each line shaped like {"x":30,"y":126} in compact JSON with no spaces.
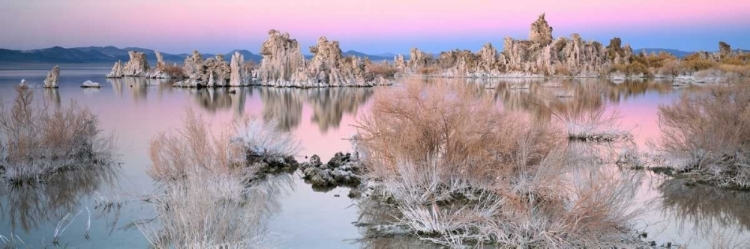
{"x":159,"y":61}
{"x":52,"y":78}
{"x":116,"y":71}
{"x":90,"y":84}
{"x":282,"y":58}
{"x":137,"y":66}
{"x":239,"y":76}
{"x":341,"y":170}
{"x":283,"y":65}
{"x":212,"y":72}
{"x":541,"y":32}
{"x":539,"y":56}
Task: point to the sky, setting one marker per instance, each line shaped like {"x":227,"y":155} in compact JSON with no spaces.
{"x":381,"y":26}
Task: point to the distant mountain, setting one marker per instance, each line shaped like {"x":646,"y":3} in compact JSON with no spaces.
{"x":375,"y":58}
{"x":107,"y":54}
{"x":677,"y":53}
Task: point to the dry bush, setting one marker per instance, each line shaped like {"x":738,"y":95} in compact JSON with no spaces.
{"x":658,"y":60}
{"x":697,"y":64}
{"x":633,"y":68}
{"x":173,"y":154}
{"x":733,"y":61}
{"x":384,"y":70}
{"x":428,"y":70}
{"x":672,"y":67}
{"x":207,"y":209}
{"x":461,"y":170}
{"x":593,"y":124}
{"x":562,"y":70}
{"x":174,"y":71}
{"x":741,"y":70}
{"x":208,"y":196}
{"x":37,"y":142}
{"x":708,"y":133}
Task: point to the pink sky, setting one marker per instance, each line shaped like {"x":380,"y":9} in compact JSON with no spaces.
{"x":178,"y":25}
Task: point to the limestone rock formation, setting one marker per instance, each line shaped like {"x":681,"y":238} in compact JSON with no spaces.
{"x":541,"y":32}
{"x":159,"y":61}
{"x":539,"y":56}
{"x":400,"y":62}
{"x":52,"y":78}
{"x":238,"y":76}
{"x":284,"y":65}
{"x":90,"y":84}
{"x":341,"y":170}
{"x":212,"y":72}
{"x":116,"y":71}
{"x":282,"y":58}
{"x":137,"y":66}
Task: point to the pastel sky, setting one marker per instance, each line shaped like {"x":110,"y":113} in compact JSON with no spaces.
{"x":380,"y":26}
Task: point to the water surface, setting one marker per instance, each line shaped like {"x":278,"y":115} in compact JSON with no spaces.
{"x":136,"y":110}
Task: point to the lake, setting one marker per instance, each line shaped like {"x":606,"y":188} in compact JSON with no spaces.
{"x":136,"y":110}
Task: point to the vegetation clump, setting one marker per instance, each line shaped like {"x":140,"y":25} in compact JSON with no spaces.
{"x":460,"y":170}
{"x":37,"y":142}
{"x":208,"y":196}
{"x":707,"y":134}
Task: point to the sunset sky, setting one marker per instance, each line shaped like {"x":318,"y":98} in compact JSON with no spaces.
{"x":177,"y":26}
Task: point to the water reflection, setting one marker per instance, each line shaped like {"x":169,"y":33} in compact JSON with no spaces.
{"x":30,"y":206}
{"x":375,"y":222}
{"x":284,"y":105}
{"x":707,"y":209}
{"x":139,"y":87}
{"x":575,"y":96}
{"x":52,"y":96}
{"x":214,"y":99}
{"x":229,"y":218}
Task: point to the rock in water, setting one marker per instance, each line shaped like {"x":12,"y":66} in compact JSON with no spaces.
{"x":137,"y":66}
{"x":282,"y":58}
{"x":159,"y":61}
{"x":284,"y":66}
{"x":52,"y":77}
{"x":90,"y":84}
{"x":237,"y":77}
{"x":541,"y":32}
{"x":539,"y":56}
{"x":193,"y":64}
{"x":212,"y":72}
{"x":116,"y":71}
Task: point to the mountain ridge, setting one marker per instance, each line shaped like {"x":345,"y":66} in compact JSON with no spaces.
{"x":111,"y":54}
{"x":95,"y":54}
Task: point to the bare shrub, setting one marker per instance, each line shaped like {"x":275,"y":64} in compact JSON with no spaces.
{"x":693,"y":64}
{"x":428,"y":70}
{"x":633,"y":68}
{"x":385,"y":70}
{"x":194,"y":146}
{"x":671,"y":67}
{"x":741,"y":70}
{"x":36,"y":142}
{"x":592,"y":124}
{"x":461,"y":170}
{"x":206,"y":209}
{"x":173,"y":154}
{"x":208,"y":197}
{"x":174,"y":71}
{"x":562,"y":70}
{"x":708,"y":133}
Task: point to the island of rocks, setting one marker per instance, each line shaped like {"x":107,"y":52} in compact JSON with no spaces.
{"x":283,"y":65}
{"x":542,"y":55}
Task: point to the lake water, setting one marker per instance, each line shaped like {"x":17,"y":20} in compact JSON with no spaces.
{"x":136,"y":110}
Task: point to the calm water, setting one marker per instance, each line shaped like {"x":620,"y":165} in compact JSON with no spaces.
{"x":136,"y":110}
